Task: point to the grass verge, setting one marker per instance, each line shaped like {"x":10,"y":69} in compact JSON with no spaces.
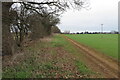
{"x":47,"y":59}
{"x":59,"y":41}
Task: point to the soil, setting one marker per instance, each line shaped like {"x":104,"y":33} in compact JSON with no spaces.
{"x":97,"y":61}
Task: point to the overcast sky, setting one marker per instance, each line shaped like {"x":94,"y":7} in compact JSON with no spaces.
{"x":101,"y":12}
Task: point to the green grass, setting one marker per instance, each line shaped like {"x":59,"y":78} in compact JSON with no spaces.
{"x":105,"y":43}
{"x":59,"y":41}
{"x":83,"y":68}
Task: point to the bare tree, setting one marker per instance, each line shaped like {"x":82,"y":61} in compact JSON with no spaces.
{"x":55,"y":29}
{"x":46,"y":9}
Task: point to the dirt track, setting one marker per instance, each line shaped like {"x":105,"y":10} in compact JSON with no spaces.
{"x":97,"y":61}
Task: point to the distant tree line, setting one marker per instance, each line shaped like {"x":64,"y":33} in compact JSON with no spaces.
{"x":86,"y":32}
{"x":31,"y":20}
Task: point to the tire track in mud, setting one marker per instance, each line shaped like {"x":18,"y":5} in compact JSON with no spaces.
{"x":104,"y":64}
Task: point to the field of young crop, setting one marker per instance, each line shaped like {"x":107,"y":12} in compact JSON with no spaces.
{"x":105,"y":43}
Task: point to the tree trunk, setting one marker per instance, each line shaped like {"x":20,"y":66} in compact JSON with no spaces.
{"x":7,"y":39}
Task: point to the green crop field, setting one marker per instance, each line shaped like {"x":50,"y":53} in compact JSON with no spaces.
{"x":105,"y":43}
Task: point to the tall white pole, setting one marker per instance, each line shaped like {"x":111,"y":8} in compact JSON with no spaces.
{"x":101,"y":28}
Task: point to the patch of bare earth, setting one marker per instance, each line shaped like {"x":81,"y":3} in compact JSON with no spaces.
{"x":63,"y":63}
{"x":97,"y":61}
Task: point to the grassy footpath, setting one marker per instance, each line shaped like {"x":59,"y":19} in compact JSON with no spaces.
{"x":59,"y":41}
{"x":105,"y":43}
{"x":47,"y":59}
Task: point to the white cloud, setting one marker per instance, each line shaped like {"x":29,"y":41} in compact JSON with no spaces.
{"x":102,"y":12}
